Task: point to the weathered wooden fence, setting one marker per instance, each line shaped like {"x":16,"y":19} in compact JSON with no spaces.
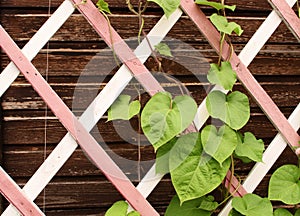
{"x":79,"y":188}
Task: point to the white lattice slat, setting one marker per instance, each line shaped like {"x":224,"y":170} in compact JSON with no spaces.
{"x":36,"y":43}
{"x":94,"y":112}
{"x":270,"y":156}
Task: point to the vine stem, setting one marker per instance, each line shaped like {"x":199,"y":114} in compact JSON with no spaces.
{"x":223,"y":35}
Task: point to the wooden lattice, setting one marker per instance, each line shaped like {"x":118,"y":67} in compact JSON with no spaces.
{"x":78,"y":130}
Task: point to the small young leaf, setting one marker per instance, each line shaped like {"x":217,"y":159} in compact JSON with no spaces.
{"x":282,"y":212}
{"x":208,"y":203}
{"x":118,"y":208}
{"x":285,"y":185}
{"x":122,"y":109}
{"x":169,"y":6}
{"x":253,"y":205}
{"x":196,"y":173}
{"x":103,"y":6}
{"x":215,"y":5}
{"x":219,"y":144}
{"x":163,"y":49}
{"x":233,"y":109}
{"x":222,"y":24}
{"x":189,"y":208}
{"x":164,"y":118}
{"x":162,"y":157}
{"x":250,"y":148}
{"x":224,"y":75}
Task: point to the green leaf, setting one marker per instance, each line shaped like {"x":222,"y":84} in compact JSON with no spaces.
{"x":162,"y":157}
{"x":169,"y":6}
{"x":215,"y":5}
{"x":297,"y":213}
{"x":285,"y":185}
{"x":233,"y":212}
{"x":224,"y":75}
{"x":103,"y":6}
{"x":282,"y":212}
{"x":122,"y":109}
{"x":208,"y":203}
{"x":219,"y":144}
{"x":133,"y":213}
{"x":163,"y":49}
{"x":250,"y":148}
{"x":164,"y":118}
{"x":195,"y":173}
{"x":119,"y":208}
{"x":233,"y":109}
{"x":253,"y":205}
{"x":189,"y":208}
{"x":222,"y":24}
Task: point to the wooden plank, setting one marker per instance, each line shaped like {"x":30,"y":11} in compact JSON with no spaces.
{"x":76,"y":29}
{"x":288,"y":16}
{"x":15,"y":195}
{"x":244,"y":75}
{"x":79,"y":133}
{"x":270,"y":156}
{"x":95,"y":110}
{"x":37,"y":42}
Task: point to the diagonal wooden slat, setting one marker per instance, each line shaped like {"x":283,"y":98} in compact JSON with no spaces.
{"x":94,"y":112}
{"x":71,"y":123}
{"x":262,"y":98}
{"x":36,"y":43}
{"x":11,"y":191}
{"x":288,"y":16}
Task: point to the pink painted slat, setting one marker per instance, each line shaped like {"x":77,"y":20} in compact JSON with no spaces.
{"x":71,"y":123}
{"x":123,"y":51}
{"x":234,"y":186}
{"x":288,"y":16}
{"x":11,"y":191}
{"x":262,"y":98}
{"x":140,"y":72}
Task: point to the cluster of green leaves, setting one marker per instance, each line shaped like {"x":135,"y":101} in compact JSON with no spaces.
{"x":199,"y":161}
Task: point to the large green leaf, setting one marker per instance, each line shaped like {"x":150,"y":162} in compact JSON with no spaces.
{"x":189,"y":208}
{"x":222,"y":24}
{"x":250,"y":148}
{"x":297,"y":213}
{"x":219,"y":144}
{"x":123,"y":109}
{"x":164,"y":118}
{"x":252,"y":205}
{"x":224,"y":75}
{"x":234,"y":212}
{"x":215,"y":5}
{"x":133,"y":213}
{"x":162,"y":157}
{"x":233,"y":109}
{"x":195,"y":173}
{"x":282,"y":212}
{"x":285,"y":185}
{"x":119,"y":208}
{"x":169,"y":6}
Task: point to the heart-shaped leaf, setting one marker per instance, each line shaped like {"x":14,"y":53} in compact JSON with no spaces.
{"x":233,"y":109}
{"x":215,"y":5}
{"x":122,"y":109}
{"x":164,"y":118}
{"x":285,"y":185}
{"x":224,"y":75}
{"x":219,"y":144}
{"x":250,"y":148}
{"x":189,"y":208}
{"x":162,"y":157}
{"x":103,"y":6}
{"x":252,"y":205}
{"x":282,"y":212}
{"x":196,"y":173}
{"x":222,"y":24}
{"x":169,"y":6}
{"x":118,"y":208}
{"x":163,"y":49}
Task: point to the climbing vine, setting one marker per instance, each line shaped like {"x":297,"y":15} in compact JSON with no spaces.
{"x":199,"y":161}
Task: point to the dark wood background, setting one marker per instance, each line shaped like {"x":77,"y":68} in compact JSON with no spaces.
{"x":79,"y":188}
